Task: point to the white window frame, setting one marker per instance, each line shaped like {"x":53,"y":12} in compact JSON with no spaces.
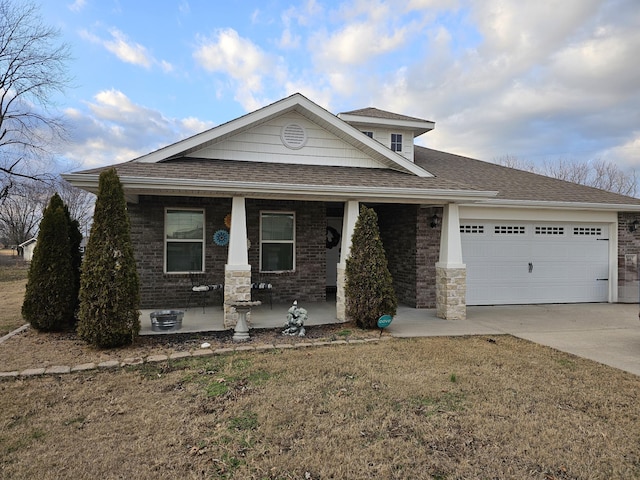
{"x":186,"y":240}
{"x":396,"y":141}
{"x":293,"y":241}
{"x":368,"y":133}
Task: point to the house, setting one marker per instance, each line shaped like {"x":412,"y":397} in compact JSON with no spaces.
{"x":274,"y":195}
{"x":27,"y":248}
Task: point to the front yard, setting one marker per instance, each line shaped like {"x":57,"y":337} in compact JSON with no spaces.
{"x":443,"y":408}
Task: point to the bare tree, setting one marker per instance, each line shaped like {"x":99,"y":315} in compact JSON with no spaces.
{"x":24,"y":205}
{"x":33,"y":67}
{"x":21,"y":212}
{"x":599,"y":173}
{"x":80,"y":203}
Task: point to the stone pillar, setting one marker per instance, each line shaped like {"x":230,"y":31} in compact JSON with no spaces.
{"x":451,"y":273}
{"x":237,"y":271}
{"x":351,"y":212}
{"x":451,"y":291}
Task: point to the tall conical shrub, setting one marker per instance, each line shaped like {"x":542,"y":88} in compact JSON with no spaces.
{"x":51,"y":297}
{"x":369,"y":286}
{"x":109,"y":313}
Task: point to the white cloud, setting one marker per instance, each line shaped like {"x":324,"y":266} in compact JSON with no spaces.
{"x":242,"y":60}
{"x":115,"y":129}
{"x":127,"y":51}
{"x":77,"y":5}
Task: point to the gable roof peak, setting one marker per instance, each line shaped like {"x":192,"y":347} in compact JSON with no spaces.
{"x":377,"y":113}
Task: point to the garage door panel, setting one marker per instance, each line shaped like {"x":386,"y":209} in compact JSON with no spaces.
{"x":566,"y":262}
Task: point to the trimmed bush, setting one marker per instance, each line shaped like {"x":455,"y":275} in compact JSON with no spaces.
{"x":369,"y":286}
{"x":51,"y":297}
{"x":109,"y":313}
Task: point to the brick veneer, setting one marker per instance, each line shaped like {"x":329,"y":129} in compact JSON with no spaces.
{"x":160,"y":290}
{"x":628,"y":249}
{"x":412,"y":249}
{"x":308,"y":282}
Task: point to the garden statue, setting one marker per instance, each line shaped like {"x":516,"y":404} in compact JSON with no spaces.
{"x":295,"y":320}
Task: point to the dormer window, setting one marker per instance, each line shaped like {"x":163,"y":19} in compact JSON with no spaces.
{"x":368,"y":134}
{"x":396,"y":142}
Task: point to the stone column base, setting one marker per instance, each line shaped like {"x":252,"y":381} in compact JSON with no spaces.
{"x":237,"y":286}
{"x":451,"y":291}
{"x":341,"y":306}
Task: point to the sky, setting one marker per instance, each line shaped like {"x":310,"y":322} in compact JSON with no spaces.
{"x":536,"y":80}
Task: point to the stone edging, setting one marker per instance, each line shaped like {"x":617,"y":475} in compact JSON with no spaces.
{"x":15,"y":332}
{"x":203,"y":352}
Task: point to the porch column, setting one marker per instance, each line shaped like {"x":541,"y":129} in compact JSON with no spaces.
{"x":237,"y":271}
{"x":451,"y":273}
{"x":351,"y":212}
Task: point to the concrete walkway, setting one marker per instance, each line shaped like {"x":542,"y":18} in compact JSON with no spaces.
{"x":605,"y":333}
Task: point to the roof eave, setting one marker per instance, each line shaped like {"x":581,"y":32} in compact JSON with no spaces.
{"x":619,"y":207}
{"x":196,"y":187}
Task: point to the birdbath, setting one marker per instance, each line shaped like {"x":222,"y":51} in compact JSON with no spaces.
{"x":241,"y":330}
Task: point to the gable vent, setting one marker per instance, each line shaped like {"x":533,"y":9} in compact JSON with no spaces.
{"x":293,"y":136}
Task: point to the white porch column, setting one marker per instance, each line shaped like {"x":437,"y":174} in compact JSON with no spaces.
{"x":451,"y":273}
{"x":237,"y":271}
{"x":351,"y":212}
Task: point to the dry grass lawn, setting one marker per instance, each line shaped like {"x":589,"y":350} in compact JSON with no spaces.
{"x":441,"y":408}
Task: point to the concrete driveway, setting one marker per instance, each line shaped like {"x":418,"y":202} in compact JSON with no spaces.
{"x":606,"y":333}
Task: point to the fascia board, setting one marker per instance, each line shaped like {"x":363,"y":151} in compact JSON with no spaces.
{"x":221,"y":131}
{"x":414,"y":125}
{"x":297,"y":103}
{"x":619,"y":207}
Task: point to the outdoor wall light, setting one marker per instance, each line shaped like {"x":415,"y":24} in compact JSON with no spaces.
{"x":435,"y":221}
{"x":633,"y":226}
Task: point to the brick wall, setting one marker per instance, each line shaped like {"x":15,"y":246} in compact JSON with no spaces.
{"x":308,"y":282}
{"x":412,"y":249}
{"x":160,"y":290}
{"x":628,"y":253}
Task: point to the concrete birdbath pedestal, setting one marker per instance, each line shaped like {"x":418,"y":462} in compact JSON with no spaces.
{"x":241,"y":330}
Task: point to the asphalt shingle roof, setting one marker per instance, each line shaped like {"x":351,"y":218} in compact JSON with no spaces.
{"x":377,"y":113}
{"x":512,"y":184}
{"x":452,"y":172}
{"x":282,"y":173}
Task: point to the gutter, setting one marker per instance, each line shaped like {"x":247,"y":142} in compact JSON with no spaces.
{"x":618,"y":207}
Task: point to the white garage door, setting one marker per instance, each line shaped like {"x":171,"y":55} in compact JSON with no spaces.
{"x":519,"y":263}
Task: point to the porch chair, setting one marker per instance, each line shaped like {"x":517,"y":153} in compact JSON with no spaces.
{"x":200,"y":287}
{"x":262,"y":288}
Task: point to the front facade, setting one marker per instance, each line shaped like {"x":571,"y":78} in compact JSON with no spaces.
{"x":273,"y":197}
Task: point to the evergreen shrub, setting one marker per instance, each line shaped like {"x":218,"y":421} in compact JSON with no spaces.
{"x":368,"y":285}
{"x":109,"y":313}
{"x":50,"y":297}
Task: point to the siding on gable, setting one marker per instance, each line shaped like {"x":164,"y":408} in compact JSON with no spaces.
{"x":263,"y":144}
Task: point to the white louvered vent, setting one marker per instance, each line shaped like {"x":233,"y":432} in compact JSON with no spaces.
{"x":293,"y":136}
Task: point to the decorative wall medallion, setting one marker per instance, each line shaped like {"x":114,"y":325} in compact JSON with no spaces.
{"x":221,"y":238}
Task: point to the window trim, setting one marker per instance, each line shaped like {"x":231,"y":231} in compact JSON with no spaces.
{"x":396,"y":140}
{"x":166,"y":240}
{"x":292,"y":241}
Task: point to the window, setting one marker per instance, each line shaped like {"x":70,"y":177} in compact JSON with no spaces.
{"x":368,"y":134}
{"x":396,"y":142}
{"x":277,"y":241}
{"x":184,"y":240}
